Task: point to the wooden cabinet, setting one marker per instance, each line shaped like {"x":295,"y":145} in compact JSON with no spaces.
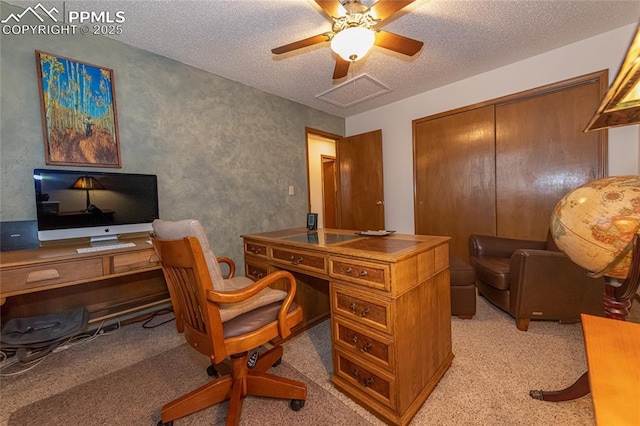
{"x":388,"y":348}
{"x":500,"y":167}
{"x":55,"y":278}
{"x":389,"y":307}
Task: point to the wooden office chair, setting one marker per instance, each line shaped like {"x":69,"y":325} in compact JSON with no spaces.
{"x":226,"y":322}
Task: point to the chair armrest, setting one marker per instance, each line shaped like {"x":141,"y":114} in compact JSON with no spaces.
{"x":253,"y":289}
{"x":549,"y":282}
{"x":230,"y":263}
{"x":534,"y":259}
{"x":488,"y":245}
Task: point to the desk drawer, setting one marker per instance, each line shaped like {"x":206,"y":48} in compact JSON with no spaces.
{"x":134,"y":260}
{"x":361,"y":308}
{"x":256,"y":249}
{"x":255,"y":270}
{"x":363,"y":343}
{"x":374,"y":275}
{"x":300,"y":259}
{"x":365,"y":378}
{"x":17,"y":279}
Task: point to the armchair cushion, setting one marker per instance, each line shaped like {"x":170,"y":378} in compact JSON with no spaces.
{"x":253,"y":319}
{"x":492,"y":270}
{"x":267,"y":296}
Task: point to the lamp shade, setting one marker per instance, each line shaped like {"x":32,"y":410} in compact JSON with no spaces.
{"x":87,"y":182}
{"x":353,"y":43}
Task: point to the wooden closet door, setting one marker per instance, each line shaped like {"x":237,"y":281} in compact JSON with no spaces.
{"x":542,"y":153}
{"x":454,"y":164}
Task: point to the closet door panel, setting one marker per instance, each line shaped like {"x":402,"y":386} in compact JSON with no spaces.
{"x":542,"y":153}
{"x":454,"y":163}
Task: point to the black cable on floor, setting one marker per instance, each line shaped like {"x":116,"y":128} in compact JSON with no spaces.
{"x":154,"y":315}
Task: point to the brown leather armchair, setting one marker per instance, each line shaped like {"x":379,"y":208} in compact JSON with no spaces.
{"x":533,"y":280}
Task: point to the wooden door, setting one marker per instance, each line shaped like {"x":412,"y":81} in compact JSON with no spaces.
{"x":329,"y":207}
{"x":542,"y":154}
{"x":360,"y":181}
{"x":454,"y":176}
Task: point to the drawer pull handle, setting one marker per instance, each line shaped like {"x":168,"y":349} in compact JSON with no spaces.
{"x":256,"y":250}
{"x":258,"y":274}
{"x":348,"y":271}
{"x":364,"y":312}
{"x":46,"y":274}
{"x":365,"y":382}
{"x":295,"y":261}
{"x":364,"y":348}
{"x":363,"y":273}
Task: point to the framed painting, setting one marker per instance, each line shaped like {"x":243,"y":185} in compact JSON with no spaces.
{"x":79,"y":117}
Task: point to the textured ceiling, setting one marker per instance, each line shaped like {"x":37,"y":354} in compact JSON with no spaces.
{"x":233,"y":39}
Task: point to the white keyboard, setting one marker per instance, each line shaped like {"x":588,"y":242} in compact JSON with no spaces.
{"x":104,"y":247}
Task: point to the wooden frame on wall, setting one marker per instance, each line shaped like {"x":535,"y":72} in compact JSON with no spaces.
{"x":79,"y":116}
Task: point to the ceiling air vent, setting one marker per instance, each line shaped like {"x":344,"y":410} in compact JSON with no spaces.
{"x":354,"y":91}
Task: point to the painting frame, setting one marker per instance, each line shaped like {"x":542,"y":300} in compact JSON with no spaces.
{"x":78,"y":112}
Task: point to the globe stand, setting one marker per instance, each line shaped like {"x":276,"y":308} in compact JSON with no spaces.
{"x":617,"y":302}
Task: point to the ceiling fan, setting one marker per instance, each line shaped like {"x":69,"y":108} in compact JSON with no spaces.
{"x":355,"y":32}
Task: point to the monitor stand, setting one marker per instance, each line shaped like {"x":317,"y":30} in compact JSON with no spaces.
{"x":103,"y":240}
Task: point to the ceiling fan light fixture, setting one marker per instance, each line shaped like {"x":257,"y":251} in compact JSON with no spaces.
{"x":353,"y":43}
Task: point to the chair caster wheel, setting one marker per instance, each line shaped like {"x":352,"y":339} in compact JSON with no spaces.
{"x":297,"y":404}
{"x":164,"y":424}
{"x":277,"y":363}
{"x":211,"y":371}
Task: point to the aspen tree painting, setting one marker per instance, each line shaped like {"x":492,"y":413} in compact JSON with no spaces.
{"x":79,"y":119}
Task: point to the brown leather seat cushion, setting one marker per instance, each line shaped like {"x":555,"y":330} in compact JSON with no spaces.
{"x":461,"y":273}
{"x":494,"y":271}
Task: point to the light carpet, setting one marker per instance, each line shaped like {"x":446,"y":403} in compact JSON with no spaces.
{"x":134,"y":395}
{"x":488,"y":383}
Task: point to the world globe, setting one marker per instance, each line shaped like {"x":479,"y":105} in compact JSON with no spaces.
{"x":594,"y":224}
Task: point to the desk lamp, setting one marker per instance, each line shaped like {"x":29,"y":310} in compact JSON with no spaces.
{"x":87,"y":183}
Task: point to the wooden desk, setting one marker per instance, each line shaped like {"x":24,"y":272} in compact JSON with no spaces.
{"x":613,"y":356}
{"x":108,"y":283}
{"x":389,"y":302}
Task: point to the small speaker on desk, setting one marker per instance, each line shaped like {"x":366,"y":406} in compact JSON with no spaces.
{"x":18,"y":235}
{"x":312,"y":221}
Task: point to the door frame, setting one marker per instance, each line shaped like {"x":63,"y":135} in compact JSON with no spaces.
{"x":324,"y":159}
{"x":308,"y":131}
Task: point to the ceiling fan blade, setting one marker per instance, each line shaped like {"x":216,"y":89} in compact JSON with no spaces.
{"x":382,"y":9}
{"x":341,"y":69}
{"x":301,"y":43}
{"x":333,"y":8}
{"x":398,"y":43}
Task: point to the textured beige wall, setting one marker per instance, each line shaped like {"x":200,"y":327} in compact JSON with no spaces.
{"x":224,"y":153}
